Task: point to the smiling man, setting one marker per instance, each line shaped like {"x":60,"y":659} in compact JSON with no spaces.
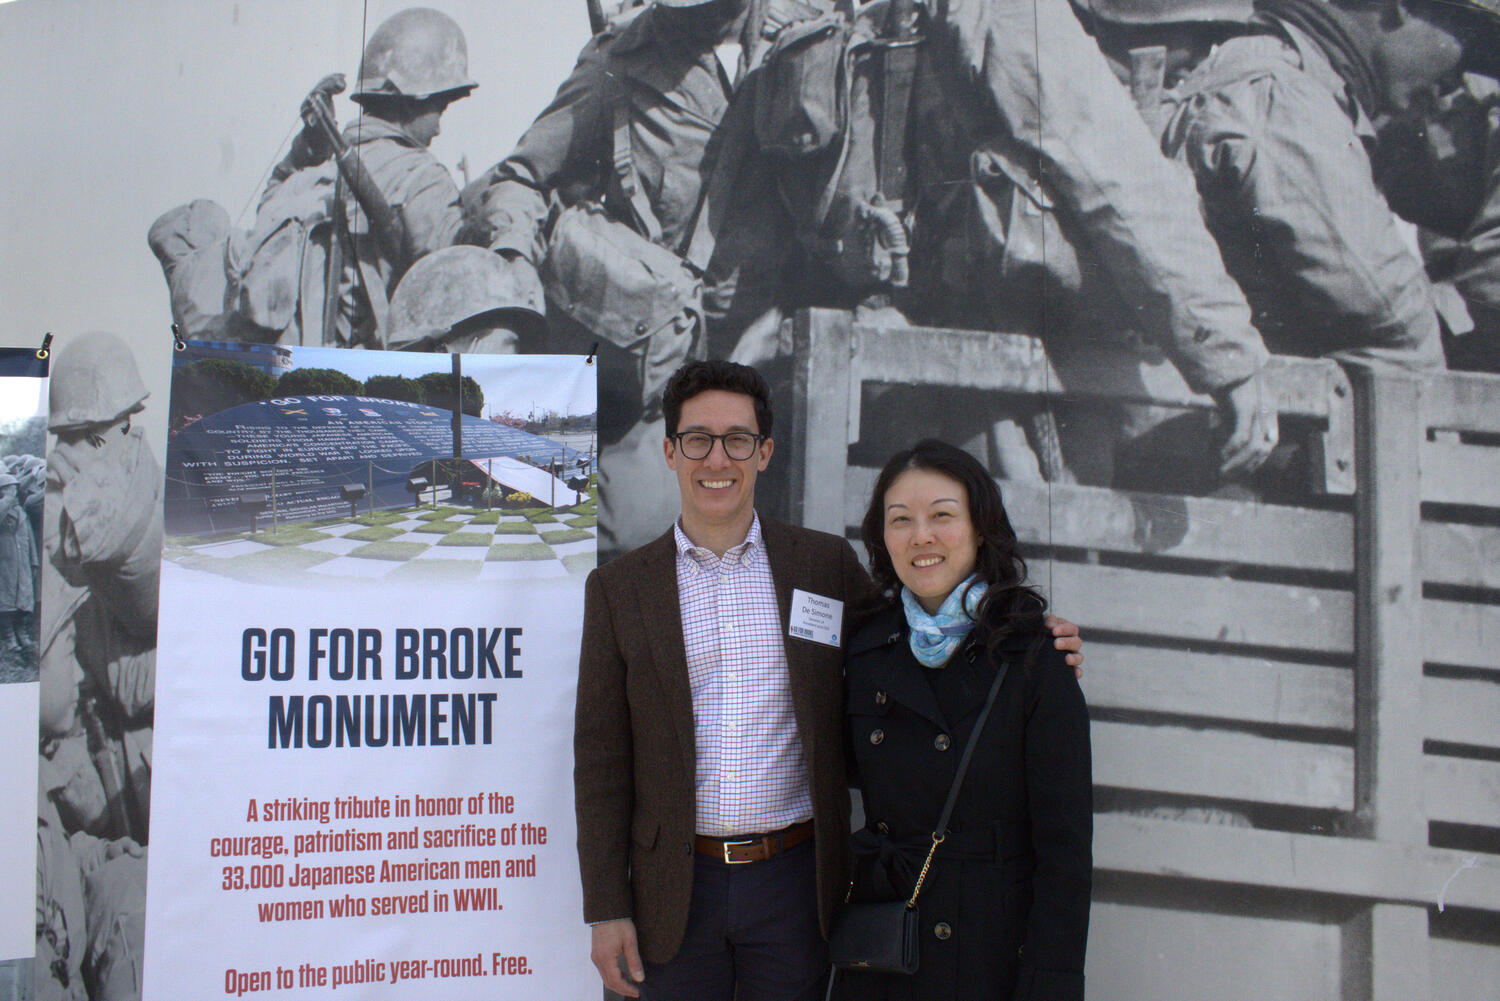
{"x":709,"y":781}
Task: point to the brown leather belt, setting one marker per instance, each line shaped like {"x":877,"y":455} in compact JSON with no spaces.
{"x":755,"y":847}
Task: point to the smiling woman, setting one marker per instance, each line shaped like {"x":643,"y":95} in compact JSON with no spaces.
{"x":1004,"y":905}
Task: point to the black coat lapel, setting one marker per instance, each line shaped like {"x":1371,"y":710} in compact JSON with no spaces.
{"x":903,"y":682}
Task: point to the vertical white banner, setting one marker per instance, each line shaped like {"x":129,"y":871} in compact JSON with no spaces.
{"x":364,"y":719}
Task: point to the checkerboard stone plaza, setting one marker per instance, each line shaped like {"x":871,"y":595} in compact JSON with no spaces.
{"x":455,"y":545}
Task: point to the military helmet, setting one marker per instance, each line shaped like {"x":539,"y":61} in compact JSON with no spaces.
{"x":683,"y":3}
{"x":94,"y":381}
{"x":454,"y":284}
{"x":416,"y":53}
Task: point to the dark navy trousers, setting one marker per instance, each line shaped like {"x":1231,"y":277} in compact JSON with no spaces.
{"x":752,"y":934}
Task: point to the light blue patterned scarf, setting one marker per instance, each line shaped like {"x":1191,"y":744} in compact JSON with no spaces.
{"x":934,"y":637}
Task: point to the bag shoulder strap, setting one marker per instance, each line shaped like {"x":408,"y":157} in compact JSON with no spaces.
{"x":940,"y":833}
{"x":623,"y":160}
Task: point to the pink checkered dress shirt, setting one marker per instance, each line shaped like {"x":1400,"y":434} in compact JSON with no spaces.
{"x":752,"y":777}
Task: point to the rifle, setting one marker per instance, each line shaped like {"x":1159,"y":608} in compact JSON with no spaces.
{"x":386,"y":225}
{"x":109,"y":761}
{"x":597,"y":22}
{"x":334,"y":271}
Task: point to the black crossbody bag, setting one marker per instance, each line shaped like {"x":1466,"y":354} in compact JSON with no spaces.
{"x":882,"y":937}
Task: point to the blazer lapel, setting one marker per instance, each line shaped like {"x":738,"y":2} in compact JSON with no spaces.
{"x":781,"y":554}
{"x":661,"y":617}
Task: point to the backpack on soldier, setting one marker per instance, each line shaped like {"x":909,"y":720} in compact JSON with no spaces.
{"x":276,"y":270}
{"x":816,"y":107}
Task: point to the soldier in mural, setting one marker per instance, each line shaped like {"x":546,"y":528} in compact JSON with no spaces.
{"x":616,"y":194}
{"x":344,"y":215}
{"x":19,"y":562}
{"x":1274,"y":126}
{"x":939,"y":188}
{"x":90,"y":891}
{"x":102,"y":544}
{"x":1441,"y":170}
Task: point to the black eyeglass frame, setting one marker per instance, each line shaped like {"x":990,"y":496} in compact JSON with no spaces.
{"x":722,"y":439}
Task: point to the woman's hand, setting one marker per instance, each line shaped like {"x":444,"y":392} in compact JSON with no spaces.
{"x":1065,"y":638}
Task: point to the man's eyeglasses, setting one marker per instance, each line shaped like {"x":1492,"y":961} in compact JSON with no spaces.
{"x":738,"y":445}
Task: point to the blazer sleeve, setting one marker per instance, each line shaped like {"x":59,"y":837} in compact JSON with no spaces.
{"x":1059,"y":792}
{"x":603,"y":775}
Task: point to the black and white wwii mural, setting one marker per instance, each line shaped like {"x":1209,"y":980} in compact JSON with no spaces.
{"x":1211,"y":286}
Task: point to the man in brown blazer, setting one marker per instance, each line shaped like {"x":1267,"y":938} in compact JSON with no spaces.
{"x":709,"y":776}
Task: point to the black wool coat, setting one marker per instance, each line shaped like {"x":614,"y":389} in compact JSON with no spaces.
{"x":1005,"y":907}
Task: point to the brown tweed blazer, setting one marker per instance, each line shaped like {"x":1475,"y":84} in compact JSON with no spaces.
{"x":633,"y":741}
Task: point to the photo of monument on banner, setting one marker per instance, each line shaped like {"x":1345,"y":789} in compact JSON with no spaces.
{"x":279,"y":458}
{"x":372,"y":585}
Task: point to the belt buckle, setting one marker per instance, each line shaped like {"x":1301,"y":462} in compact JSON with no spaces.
{"x":735,"y":844}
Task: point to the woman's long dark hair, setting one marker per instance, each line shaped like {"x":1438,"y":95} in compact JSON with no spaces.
{"x":1010,"y":605}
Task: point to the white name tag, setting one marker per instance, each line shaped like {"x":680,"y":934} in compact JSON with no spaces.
{"x":816,"y":618}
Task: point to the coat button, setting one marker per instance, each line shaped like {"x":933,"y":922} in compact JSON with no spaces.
{"x":883,"y":827}
{"x":880,"y":698}
{"x":943,"y":930}
{"x":876,"y":736}
{"x":941,"y":742}
{"x":893,"y":637}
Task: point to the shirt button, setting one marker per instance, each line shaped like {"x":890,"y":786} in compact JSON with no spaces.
{"x":729,"y":725}
{"x":880,"y":698}
{"x":729,"y":776}
{"x":943,"y":930}
{"x":733,"y":677}
{"x":876,"y":736}
{"x":941,"y":742}
{"x":729,"y":627}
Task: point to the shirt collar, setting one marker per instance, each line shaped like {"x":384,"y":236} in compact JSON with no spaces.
{"x":743,"y":554}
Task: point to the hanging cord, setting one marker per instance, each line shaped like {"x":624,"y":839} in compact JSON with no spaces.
{"x":1054,"y":447}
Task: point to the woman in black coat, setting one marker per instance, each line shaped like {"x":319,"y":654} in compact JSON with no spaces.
{"x":1004,"y":908}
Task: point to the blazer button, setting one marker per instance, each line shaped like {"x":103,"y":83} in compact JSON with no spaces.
{"x":941,"y":742}
{"x":876,"y":736}
{"x":880,"y":698}
{"x":943,"y":930}
{"x":883,"y":827}
{"x":893,"y":638}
